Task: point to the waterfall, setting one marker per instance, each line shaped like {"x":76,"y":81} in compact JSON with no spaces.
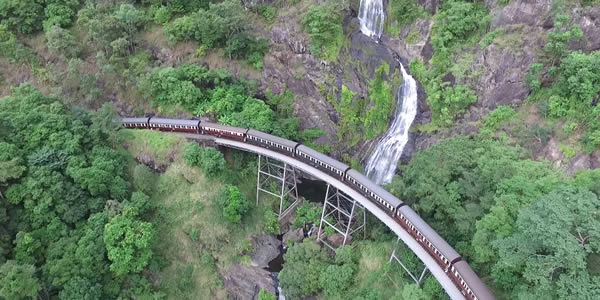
{"x":371,"y":16}
{"x":384,"y":159}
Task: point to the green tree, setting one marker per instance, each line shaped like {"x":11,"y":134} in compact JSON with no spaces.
{"x":61,"y":42}
{"x":547,"y":255}
{"x":80,"y":288}
{"x":18,"y":281}
{"x":209,"y":160}
{"x":11,"y":164}
{"x":323,"y":23}
{"x":234,"y":203}
{"x":304,"y":263}
{"x":128,"y":243}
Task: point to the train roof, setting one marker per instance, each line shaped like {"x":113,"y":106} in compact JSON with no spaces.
{"x":223,"y":127}
{"x":429,"y":233}
{"x":478,"y":287}
{"x":322,"y":157}
{"x":272,"y":138}
{"x":134,"y":120}
{"x":375,"y":188}
{"x":174,"y":121}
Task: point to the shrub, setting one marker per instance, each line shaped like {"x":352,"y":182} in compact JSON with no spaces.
{"x":162,"y":15}
{"x":61,"y":42}
{"x":271,"y":222}
{"x":143,"y":179}
{"x":403,"y":12}
{"x":264,"y":295}
{"x":495,"y":118}
{"x":382,"y":95}
{"x":181,"y":29}
{"x":209,"y":160}
{"x":323,"y":23}
{"x":268,"y":12}
{"x":233,"y":202}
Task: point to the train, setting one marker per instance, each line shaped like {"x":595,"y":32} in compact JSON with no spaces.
{"x":458,"y":270}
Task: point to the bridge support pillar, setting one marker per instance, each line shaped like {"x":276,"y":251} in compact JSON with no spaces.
{"x":393,"y":257}
{"x":277,"y":179}
{"x":343,"y":214}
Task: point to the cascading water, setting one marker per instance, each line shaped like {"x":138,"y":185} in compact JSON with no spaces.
{"x":382,"y":162}
{"x":371,"y":17}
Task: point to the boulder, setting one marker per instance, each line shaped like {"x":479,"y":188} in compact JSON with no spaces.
{"x":296,"y":235}
{"x":266,"y":248}
{"x":578,"y":163}
{"x":245,"y":282}
{"x":337,"y":240}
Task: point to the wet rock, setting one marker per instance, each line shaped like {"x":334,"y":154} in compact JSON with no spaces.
{"x":245,"y":282}
{"x":296,"y":235}
{"x":267,"y":247}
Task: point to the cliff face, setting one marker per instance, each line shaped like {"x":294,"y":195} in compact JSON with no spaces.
{"x":496,"y":71}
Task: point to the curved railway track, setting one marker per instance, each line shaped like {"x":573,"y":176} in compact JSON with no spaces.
{"x":445,"y":264}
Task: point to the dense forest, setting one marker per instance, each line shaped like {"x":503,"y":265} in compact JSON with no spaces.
{"x":503,"y":159}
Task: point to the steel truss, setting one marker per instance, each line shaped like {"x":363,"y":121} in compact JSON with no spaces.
{"x":419,"y":280}
{"x":342,"y":213}
{"x":277,"y":179}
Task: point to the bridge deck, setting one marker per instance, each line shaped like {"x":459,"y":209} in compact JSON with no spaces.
{"x":433,"y":267}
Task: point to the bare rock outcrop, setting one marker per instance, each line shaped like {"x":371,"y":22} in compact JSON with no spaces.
{"x":245,"y":282}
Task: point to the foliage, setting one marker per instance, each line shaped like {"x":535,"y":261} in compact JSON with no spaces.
{"x":128,"y":242}
{"x":222,"y":24}
{"x":403,"y":12}
{"x":268,"y":12}
{"x":71,"y":210}
{"x":458,"y":23}
{"x":304,"y":263}
{"x":323,"y":23}
{"x":14,"y":50}
{"x":217,"y":93}
{"x":271,"y":223}
{"x":382,"y":95}
{"x":234,"y":204}
{"x":547,"y":254}
{"x":308,"y":213}
{"x":264,"y":295}
{"x":18,"y":281}
{"x":350,"y":115}
{"x":209,"y":160}
{"x":61,"y":42}
{"x":496,"y":117}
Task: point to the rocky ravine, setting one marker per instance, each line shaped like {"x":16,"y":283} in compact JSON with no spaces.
{"x":497,"y":72}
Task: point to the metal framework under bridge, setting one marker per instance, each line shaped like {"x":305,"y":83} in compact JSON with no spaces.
{"x":344,"y":209}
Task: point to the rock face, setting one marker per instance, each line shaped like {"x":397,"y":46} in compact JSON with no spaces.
{"x":267,"y":247}
{"x":245,"y":282}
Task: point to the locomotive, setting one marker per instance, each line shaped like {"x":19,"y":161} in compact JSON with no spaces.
{"x":446,"y":257}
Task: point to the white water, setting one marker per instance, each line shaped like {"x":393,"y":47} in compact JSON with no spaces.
{"x":384,"y":159}
{"x":371,"y":17}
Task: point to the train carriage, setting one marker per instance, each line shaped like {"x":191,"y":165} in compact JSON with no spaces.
{"x":163,"y":124}
{"x":230,"y":132}
{"x":439,"y":249}
{"x":372,"y":191}
{"x":469,"y":283}
{"x":135,"y":123}
{"x":271,"y":142}
{"x":321,"y":162}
